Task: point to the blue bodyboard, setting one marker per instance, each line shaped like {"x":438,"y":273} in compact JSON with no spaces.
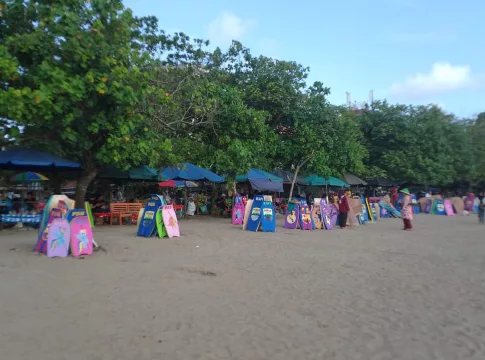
{"x":255,"y":214}
{"x":147,"y":225}
{"x":74,"y":213}
{"x":268,"y":218}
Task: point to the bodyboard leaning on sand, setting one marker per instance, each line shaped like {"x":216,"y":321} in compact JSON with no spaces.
{"x":326,"y":218}
{"x":81,"y":236}
{"x":316,"y":216}
{"x":369,"y":210}
{"x":268,"y":219}
{"x":247,"y":211}
{"x":255,"y":215}
{"x":161,"y":230}
{"x":170,"y":221}
{"x":449,"y":208}
{"x":333,"y":214}
{"x":238,"y":211}
{"x":41,"y":245}
{"x":148,"y":222}
{"x":291,"y":216}
{"x":305,"y":217}
{"x":87,"y":207}
{"x":58,"y":238}
{"x":365,"y":213}
{"x":440,"y":207}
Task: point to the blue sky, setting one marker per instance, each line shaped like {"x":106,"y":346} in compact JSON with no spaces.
{"x":406,"y":51}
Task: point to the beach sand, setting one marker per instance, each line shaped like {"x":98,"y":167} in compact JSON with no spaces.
{"x":374,"y":292}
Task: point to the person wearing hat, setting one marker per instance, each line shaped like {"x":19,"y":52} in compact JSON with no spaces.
{"x":407,"y":209}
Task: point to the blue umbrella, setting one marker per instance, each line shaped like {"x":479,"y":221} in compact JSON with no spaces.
{"x":187,"y":171}
{"x":29,"y":159}
{"x":28,"y":177}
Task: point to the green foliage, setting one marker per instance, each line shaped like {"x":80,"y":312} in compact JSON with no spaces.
{"x":90,"y":81}
{"x":75,"y":73}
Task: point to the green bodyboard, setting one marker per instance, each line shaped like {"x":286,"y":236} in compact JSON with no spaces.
{"x":162,"y":232}
{"x":87,"y":206}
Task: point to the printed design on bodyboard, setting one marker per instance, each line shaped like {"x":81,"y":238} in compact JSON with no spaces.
{"x":291,"y":216}
{"x":326,"y":218}
{"x":170,"y":221}
{"x":268,"y":220}
{"x":238,"y":211}
{"x":255,"y":214}
{"x":58,"y":238}
{"x":316,"y":216}
{"x":305,"y":217}
{"x":81,"y":236}
{"x":41,"y":245}
{"x":147,"y":225}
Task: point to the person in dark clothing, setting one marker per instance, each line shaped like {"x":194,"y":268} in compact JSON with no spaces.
{"x":343,"y":208}
{"x":309,"y":200}
{"x":481,"y":208}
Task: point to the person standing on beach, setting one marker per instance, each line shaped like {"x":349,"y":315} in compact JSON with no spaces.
{"x":343,"y":208}
{"x":407,"y":210}
{"x":481,"y":208}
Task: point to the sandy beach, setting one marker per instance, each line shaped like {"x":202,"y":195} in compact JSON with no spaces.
{"x":374,"y":292}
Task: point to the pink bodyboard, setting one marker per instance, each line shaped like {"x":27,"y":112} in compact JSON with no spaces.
{"x":81,"y":236}
{"x":449,"y":208}
{"x":58,"y":238}
{"x":170,"y":221}
{"x":238,"y":213}
{"x":41,"y":245}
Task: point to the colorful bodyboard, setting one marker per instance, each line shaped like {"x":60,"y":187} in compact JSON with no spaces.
{"x":370,"y":213}
{"x":238,"y":211}
{"x":268,"y":218}
{"x":364,"y":216}
{"x":375,"y":211}
{"x":87,"y":207}
{"x":247,"y":211}
{"x":326,"y":216}
{"x":147,"y":225}
{"x":41,"y":245}
{"x":255,"y":215}
{"x":305,"y":218}
{"x":449,"y":208}
{"x":74,"y":213}
{"x":58,"y":238}
{"x":81,"y":236}
{"x":291,"y":216}
{"x":161,"y":231}
{"x":440,"y":207}
{"x":389,"y":209}
{"x":316,"y":216}
{"x":170,"y":221}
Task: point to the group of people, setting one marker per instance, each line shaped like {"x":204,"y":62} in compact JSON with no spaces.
{"x":406,"y":208}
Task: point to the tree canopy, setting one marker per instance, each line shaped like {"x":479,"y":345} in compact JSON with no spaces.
{"x":91,"y":81}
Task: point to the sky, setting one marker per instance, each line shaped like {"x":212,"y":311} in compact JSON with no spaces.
{"x":406,"y":51}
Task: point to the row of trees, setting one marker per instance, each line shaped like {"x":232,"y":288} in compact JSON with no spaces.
{"x":90,"y":81}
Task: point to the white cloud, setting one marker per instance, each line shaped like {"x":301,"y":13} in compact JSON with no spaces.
{"x":227,"y":27}
{"x":443,"y":78}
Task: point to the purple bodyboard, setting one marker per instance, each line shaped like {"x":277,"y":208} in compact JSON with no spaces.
{"x":326,"y":218}
{"x":291,"y":217}
{"x":58,"y":238}
{"x":305,"y":218}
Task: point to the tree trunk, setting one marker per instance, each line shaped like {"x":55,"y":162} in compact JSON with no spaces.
{"x":293,"y":182}
{"x":83,"y":182}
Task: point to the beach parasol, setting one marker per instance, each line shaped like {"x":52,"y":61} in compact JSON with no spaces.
{"x":168,"y":183}
{"x":27,"y":177}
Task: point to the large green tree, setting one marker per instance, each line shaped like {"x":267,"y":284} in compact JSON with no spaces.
{"x":74,"y":73}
